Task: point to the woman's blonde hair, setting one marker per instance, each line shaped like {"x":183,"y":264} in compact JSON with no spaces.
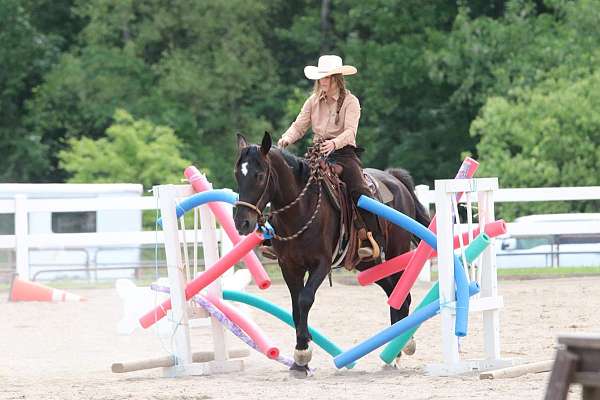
{"x":341,"y":84}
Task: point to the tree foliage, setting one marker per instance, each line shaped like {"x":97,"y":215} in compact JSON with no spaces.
{"x":430,"y":73}
{"x":25,"y":56}
{"x":545,"y":137}
{"x":134,"y":151}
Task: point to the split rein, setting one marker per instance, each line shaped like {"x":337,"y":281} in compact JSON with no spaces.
{"x":316,"y":175}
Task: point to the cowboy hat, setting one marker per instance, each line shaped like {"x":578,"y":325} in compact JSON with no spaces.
{"x":328,"y":65}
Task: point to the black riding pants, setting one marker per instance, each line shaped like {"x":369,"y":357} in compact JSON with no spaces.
{"x":352,"y":176}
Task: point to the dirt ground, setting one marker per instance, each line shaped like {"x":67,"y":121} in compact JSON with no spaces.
{"x":64,"y":351}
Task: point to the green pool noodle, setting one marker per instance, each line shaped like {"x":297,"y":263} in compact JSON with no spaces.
{"x":257,"y":302}
{"x":391,"y":351}
{"x":477,"y":247}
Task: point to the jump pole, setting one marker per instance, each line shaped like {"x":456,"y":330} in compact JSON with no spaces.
{"x":201,"y":184}
{"x":399,"y":263}
{"x":459,"y":275}
{"x":394,"y":347}
{"x":381,"y":338}
{"x":285,"y":316}
{"x":423,"y":251}
{"x":170,"y":361}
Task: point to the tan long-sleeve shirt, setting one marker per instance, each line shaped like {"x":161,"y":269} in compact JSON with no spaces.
{"x":319,"y":112}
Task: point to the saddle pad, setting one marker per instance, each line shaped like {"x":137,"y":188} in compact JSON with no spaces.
{"x":378,"y":188}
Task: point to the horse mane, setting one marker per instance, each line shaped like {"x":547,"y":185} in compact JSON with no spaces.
{"x":298,"y":165}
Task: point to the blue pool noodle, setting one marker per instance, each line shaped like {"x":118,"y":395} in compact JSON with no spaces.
{"x":225,"y":196}
{"x":388,"y":334}
{"x":409,"y":224}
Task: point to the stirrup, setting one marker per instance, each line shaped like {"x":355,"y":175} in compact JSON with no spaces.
{"x":373,"y":252}
{"x":268,"y":252}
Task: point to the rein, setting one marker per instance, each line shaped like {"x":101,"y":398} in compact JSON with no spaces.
{"x":316,"y":175}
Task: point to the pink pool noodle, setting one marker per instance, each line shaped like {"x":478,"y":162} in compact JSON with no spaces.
{"x":201,"y":184}
{"x":207,"y":277}
{"x":264,"y":343}
{"x":424,"y":251}
{"x":400,"y":262}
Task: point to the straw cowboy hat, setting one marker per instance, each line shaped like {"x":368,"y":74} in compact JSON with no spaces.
{"x":328,"y":65}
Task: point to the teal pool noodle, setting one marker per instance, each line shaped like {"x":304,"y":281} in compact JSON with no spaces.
{"x":393,"y":348}
{"x":257,"y":302}
{"x":477,"y":246}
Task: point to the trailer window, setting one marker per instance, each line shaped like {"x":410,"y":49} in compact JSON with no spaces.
{"x":579,"y":239}
{"x":73,"y":222}
{"x":527,"y":243}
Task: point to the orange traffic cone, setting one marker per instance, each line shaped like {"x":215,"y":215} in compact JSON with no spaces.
{"x":22,"y":290}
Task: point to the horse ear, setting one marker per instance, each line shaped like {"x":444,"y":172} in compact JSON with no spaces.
{"x":241,"y":141}
{"x":266,"y":144}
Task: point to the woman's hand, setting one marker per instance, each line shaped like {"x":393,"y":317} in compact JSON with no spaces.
{"x":283,"y":143}
{"x":327,"y":147}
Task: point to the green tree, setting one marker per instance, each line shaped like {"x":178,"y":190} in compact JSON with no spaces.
{"x":200,"y":67}
{"x":543,"y":137}
{"x":133,"y":150}
{"x":405,"y":119}
{"x":25,"y":55}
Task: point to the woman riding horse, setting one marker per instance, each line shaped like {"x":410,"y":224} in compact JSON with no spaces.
{"x":307,"y":223}
{"x":333,"y":114}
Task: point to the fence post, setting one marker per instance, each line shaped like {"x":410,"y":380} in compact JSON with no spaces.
{"x":21,"y":236}
{"x":181,"y":337}
{"x":445,"y":249}
{"x":489,"y":279}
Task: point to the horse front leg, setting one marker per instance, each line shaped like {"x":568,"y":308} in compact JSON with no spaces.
{"x":303,"y":352}
{"x":294,"y":279}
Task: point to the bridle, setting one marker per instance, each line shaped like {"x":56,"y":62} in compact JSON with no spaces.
{"x":262,"y":219}
{"x":316,"y":175}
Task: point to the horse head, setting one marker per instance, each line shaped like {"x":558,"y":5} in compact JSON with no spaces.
{"x":253,"y":177}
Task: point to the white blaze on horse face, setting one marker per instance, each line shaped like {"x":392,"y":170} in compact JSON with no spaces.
{"x":244,"y":168}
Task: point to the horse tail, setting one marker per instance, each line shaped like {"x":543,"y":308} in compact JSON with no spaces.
{"x":421,"y":214}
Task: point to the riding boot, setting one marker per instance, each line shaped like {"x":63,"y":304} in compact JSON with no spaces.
{"x":371,"y":240}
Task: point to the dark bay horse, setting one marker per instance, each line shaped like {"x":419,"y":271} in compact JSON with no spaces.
{"x":268,"y":174}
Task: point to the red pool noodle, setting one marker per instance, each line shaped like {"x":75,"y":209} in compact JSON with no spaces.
{"x":423,"y":251}
{"x":263,"y":342}
{"x":201,"y":184}
{"x":400,"y":262}
{"x":207,"y":277}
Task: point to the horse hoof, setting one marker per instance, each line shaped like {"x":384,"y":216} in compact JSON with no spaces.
{"x":300,"y":371}
{"x":303,"y":357}
{"x":396,"y":364}
{"x":391,"y":366}
{"x":410,"y":348}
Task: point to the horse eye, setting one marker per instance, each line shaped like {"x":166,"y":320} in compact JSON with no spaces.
{"x":260,"y":176}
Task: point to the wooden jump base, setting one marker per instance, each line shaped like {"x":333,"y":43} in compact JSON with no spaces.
{"x":518,"y":370}
{"x":169,"y":361}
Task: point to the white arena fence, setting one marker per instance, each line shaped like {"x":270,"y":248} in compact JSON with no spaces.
{"x":111,"y":254}
{"x":21,"y":246}
{"x":550,"y":253}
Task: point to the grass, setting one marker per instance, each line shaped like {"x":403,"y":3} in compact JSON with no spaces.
{"x":550,"y":271}
{"x":537,"y":273}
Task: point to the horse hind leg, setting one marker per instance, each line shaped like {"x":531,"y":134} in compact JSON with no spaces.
{"x":388,"y":284}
